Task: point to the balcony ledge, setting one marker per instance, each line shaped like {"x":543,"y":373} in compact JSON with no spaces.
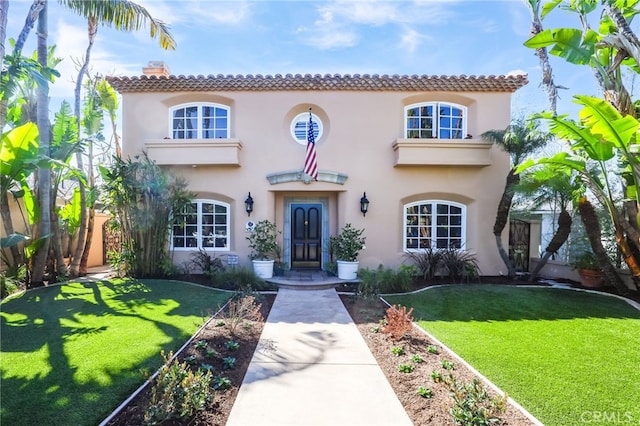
{"x":194,"y":152}
{"x":442,"y":152}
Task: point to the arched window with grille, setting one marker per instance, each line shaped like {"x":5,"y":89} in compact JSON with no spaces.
{"x":205,"y":224}
{"x":435,"y":120}
{"x":199,"y":121}
{"x":435,"y":224}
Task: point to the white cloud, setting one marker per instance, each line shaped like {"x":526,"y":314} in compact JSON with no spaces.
{"x":199,"y":12}
{"x":71,"y":43}
{"x":341,"y":22}
{"x":361,"y":12}
{"x":516,"y":72}
{"x":411,"y":39}
{"x":328,"y":37}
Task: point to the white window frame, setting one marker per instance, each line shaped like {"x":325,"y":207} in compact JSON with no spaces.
{"x":199,"y":129}
{"x":302,"y":119}
{"x":435,"y":130}
{"x":200,"y":225}
{"x":413,"y":230}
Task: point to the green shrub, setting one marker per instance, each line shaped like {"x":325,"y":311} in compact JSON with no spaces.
{"x":395,"y":281}
{"x":397,"y":350}
{"x":8,"y":285}
{"x":427,"y":261}
{"x":456,"y":264}
{"x":202,"y":261}
{"x":177,"y":392}
{"x":473,"y":406}
{"x":406,"y":368}
{"x":424,"y":392}
{"x":237,"y":279}
{"x":460,"y":265}
{"x":369,"y":287}
{"x":417,"y":359}
{"x":385,"y":280}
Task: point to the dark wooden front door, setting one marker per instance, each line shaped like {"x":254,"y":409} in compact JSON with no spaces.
{"x":306,"y":236}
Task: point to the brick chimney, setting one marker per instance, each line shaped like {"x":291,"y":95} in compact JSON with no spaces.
{"x":157,"y":68}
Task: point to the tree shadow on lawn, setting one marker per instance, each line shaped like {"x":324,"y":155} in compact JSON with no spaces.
{"x":486,"y":302}
{"x":57,"y":318}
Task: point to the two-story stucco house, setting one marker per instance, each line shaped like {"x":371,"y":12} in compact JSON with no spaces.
{"x":411,"y":143}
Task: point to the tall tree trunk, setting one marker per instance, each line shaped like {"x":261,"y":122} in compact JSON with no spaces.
{"x":87,"y":244}
{"x":75,"y":269}
{"x":44,"y":173}
{"x":547,"y":72}
{"x":559,"y":238}
{"x":4,"y":13}
{"x":594,"y":233}
{"x":92,"y":215}
{"x":56,"y":245}
{"x":502,"y":217}
{"x":627,"y":236}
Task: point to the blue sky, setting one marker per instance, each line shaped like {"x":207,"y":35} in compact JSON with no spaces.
{"x":472,"y":37}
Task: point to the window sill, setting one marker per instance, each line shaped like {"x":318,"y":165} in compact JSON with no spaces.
{"x":194,"y":152}
{"x":442,"y":152}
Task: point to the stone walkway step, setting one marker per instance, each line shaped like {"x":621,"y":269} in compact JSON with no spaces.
{"x":313,"y":368}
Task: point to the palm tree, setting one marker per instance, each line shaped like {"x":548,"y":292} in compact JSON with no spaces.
{"x":519,"y":140}
{"x":594,"y":234}
{"x":121,"y":14}
{"x":127,"y":16}
{"x":44,"y":173}
{"x":549,"y":185}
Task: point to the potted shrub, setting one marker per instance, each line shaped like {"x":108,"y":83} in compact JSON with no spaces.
{"x":587,"y":267}
{"x":263,"y":243}
{"x":346,"y":246}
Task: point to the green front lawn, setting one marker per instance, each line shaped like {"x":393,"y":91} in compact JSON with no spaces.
{"x":70,"y":354}
{"x":568,"y":357}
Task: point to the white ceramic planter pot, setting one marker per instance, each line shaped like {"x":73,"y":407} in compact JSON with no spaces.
{"x":347,"y":270}
{"x":263,"y":268}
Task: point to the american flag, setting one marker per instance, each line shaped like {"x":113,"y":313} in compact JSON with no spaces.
{"x":310,"y":159}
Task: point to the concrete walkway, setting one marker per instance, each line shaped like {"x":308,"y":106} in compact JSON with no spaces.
{"x":312,"y":367}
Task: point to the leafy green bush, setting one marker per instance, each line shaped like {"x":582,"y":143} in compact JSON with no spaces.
{"x":238,"y":279}
{"x":177,"y":392}
{"x":263,"y":241}
{"x":347,"y":244}
{"x":385,"y":280}
{"x":369,"y":287}
{"x":8,"y":284}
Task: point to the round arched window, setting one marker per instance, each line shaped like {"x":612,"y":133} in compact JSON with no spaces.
{"x":300,"y":127}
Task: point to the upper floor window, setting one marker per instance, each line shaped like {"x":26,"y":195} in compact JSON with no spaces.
{"x":200,"y":121}
{"x":300,"y":127}
{"x":434,"y":224}
{"x":440,"y":120}
{"x":204,"y":225}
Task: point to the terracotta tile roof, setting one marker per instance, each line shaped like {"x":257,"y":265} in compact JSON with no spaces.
{"x":308,"y":82}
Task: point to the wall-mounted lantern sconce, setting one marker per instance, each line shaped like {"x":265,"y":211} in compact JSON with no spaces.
{"x":364,"y":204}
{"x":248,"y":204}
